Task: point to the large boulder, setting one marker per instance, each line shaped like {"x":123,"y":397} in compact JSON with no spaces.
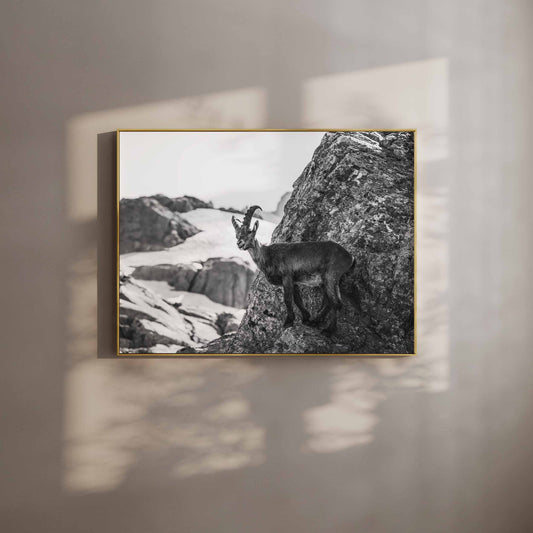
{"x":147,"y":225}
{"x":179,"y":276}
{"x":358,"y":190}
{"x":225,"y":280}
{"x":227,"y":323}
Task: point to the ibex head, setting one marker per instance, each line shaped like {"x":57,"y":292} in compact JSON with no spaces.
{"x":245,"y":235}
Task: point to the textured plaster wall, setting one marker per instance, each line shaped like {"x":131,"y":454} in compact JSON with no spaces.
{"x":271,"y":445}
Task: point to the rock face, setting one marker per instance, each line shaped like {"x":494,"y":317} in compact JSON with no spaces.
{"x":223,"y":280}
{"x":227,"y":323}
{"x":358,"y":190}
{"x":147,"y":225}
{"x":179,"y":276}
{"x":147,"y":320}
{"x":149,"y":323}
{"x":304,"y":339}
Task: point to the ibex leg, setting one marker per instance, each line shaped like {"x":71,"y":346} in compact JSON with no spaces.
{"x":288,"y":292}
{"x":299,"y":302}
{"x":333,"y":295}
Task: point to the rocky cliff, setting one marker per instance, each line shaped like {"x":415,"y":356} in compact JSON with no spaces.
{"x":358,"y":190}
{"x":150,"y":323}
{"x":152,"y":223}
{"x":225,"y":280}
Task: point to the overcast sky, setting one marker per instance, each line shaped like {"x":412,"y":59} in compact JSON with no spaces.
{"x":232,"y":169}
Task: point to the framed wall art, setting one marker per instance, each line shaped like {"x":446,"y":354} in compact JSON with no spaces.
{"x":266,"y":242}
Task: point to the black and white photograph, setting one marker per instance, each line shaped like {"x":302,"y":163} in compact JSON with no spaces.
{"x":266,"y":242}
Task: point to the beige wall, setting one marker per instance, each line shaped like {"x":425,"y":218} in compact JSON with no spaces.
{"x":436,"y":443}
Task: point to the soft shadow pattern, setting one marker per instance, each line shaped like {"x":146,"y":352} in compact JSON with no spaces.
{"x":106,"y":243}
{"x":152,"y":423}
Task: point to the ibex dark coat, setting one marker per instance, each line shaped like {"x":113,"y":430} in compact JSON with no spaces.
{"x":298,"y":263}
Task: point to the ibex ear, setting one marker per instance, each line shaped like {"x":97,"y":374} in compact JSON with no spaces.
{"x":234,"y":222}
{"x":256,"y":225}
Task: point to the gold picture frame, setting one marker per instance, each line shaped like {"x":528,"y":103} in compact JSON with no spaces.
{"x":211,"y":355}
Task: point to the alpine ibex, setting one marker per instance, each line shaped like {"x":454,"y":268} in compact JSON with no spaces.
{"x":298,"y":263}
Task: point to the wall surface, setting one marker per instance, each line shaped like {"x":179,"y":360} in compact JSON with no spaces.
{"x":440,"y":442}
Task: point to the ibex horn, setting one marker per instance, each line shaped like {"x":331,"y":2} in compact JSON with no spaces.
{"x":248,"y":217}
{"x":234,"y":222}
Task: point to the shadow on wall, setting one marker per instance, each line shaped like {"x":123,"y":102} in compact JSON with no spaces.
{"x":150,"y":423}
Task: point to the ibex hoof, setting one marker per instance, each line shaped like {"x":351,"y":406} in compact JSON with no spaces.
{"x":288,"y":323}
